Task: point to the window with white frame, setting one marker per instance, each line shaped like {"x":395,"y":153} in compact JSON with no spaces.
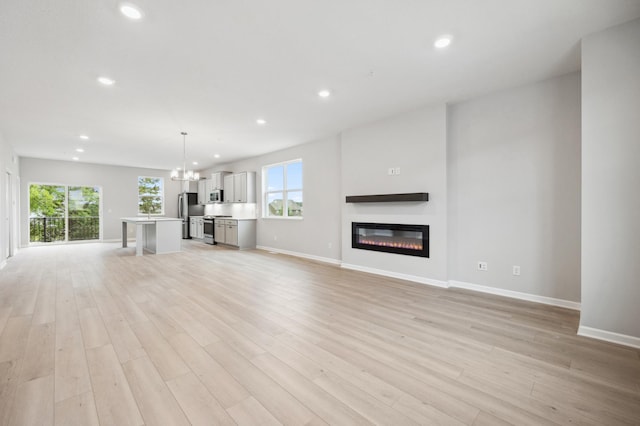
{"x":150,"y":195}
{"x":282,"y":194}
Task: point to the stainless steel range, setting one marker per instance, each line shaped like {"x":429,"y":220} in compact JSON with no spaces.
{"x":209,"y":226}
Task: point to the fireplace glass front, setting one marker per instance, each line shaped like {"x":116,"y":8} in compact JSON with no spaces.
{"x":412,"y":240}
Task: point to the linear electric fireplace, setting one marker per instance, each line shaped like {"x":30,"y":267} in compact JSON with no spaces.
{"x":412,"y":240}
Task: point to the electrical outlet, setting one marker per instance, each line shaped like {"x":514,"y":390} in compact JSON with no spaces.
{"x":397,"y":170}
{"x":391,"y":171}
{"x":275,"y":238}
{"x":330,"y":245}
{"x":482,"y":266}
{"x":516,"y":270}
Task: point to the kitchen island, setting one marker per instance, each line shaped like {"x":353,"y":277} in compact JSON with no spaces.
{"x":156,"y":234}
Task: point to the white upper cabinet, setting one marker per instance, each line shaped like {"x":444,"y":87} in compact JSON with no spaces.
{"x":203,"y":194}
{"x":217,"y":180}
{"x":240,"y":188}
{"x":206,"y":186}
{"x":228,"y":193}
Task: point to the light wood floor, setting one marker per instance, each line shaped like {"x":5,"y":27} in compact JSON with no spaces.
{"x":91,"y":334}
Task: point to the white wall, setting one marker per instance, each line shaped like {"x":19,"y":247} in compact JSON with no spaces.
{"x":119,"y":189}
{"x":514,"y":189}
{"x":318,"y":233}
{"x":610,"y":181}
{"x":8,"y":202}
{"x":416,"y":143}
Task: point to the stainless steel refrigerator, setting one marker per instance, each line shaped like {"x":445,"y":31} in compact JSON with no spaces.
{"x":188,"y":206}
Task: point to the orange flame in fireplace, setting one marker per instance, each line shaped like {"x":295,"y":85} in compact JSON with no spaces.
{"x":393,"y":244}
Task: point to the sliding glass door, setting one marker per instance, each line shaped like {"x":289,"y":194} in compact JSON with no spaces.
{"x":59,"y":213}
{"x":84,"y":213}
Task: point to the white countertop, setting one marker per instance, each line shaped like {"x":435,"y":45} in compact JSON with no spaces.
{"x":231,"y":218}
{"x":142,"y":219}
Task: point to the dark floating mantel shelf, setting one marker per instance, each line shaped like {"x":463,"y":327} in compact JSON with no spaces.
{"x":388,"y":198}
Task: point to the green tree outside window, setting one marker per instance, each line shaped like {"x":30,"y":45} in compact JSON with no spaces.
{"x":150,"y":195}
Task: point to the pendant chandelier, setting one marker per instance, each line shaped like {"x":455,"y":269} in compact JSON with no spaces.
{"x":187,"y":175}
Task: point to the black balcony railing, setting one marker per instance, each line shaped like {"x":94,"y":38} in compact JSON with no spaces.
{"x":84,"y":228}
{"x":49,"y":229}
{"x":46,"y":229}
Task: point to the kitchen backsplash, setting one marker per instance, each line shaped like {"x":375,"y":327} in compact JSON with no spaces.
{"x":238,"y":210}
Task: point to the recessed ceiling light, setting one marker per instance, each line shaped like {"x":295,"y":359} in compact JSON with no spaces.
{"x":442,"y":41}
{"x":324,"y":93}
{"x":106,"y":81}
{"x":261,"y":121}
{"x":131,"y":11}
{"x":84,"y":137}
{"x":79,"y":150}
{"x":195,"y":163}
{"x":75,"y":158}
{"x":216,"y":155}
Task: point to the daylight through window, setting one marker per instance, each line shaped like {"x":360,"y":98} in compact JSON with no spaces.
{"x":150,"y":195}
{"x":283,"y":190}
{"x":60,"y":213}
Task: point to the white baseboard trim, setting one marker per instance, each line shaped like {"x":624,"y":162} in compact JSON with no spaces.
{"x":414,"y":278}
{"x":3,"y":264}
{"x":516,"y":295}
{"x":609,"y":336}
{"x":302,"y":255}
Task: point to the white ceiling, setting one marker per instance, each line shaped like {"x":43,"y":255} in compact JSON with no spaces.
{"x":212,"y":67}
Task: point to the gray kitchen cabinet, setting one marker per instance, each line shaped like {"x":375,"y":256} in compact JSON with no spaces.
{"x":240,"y":233}
{"x":219,"y":234}
{"x":231,"y":232}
